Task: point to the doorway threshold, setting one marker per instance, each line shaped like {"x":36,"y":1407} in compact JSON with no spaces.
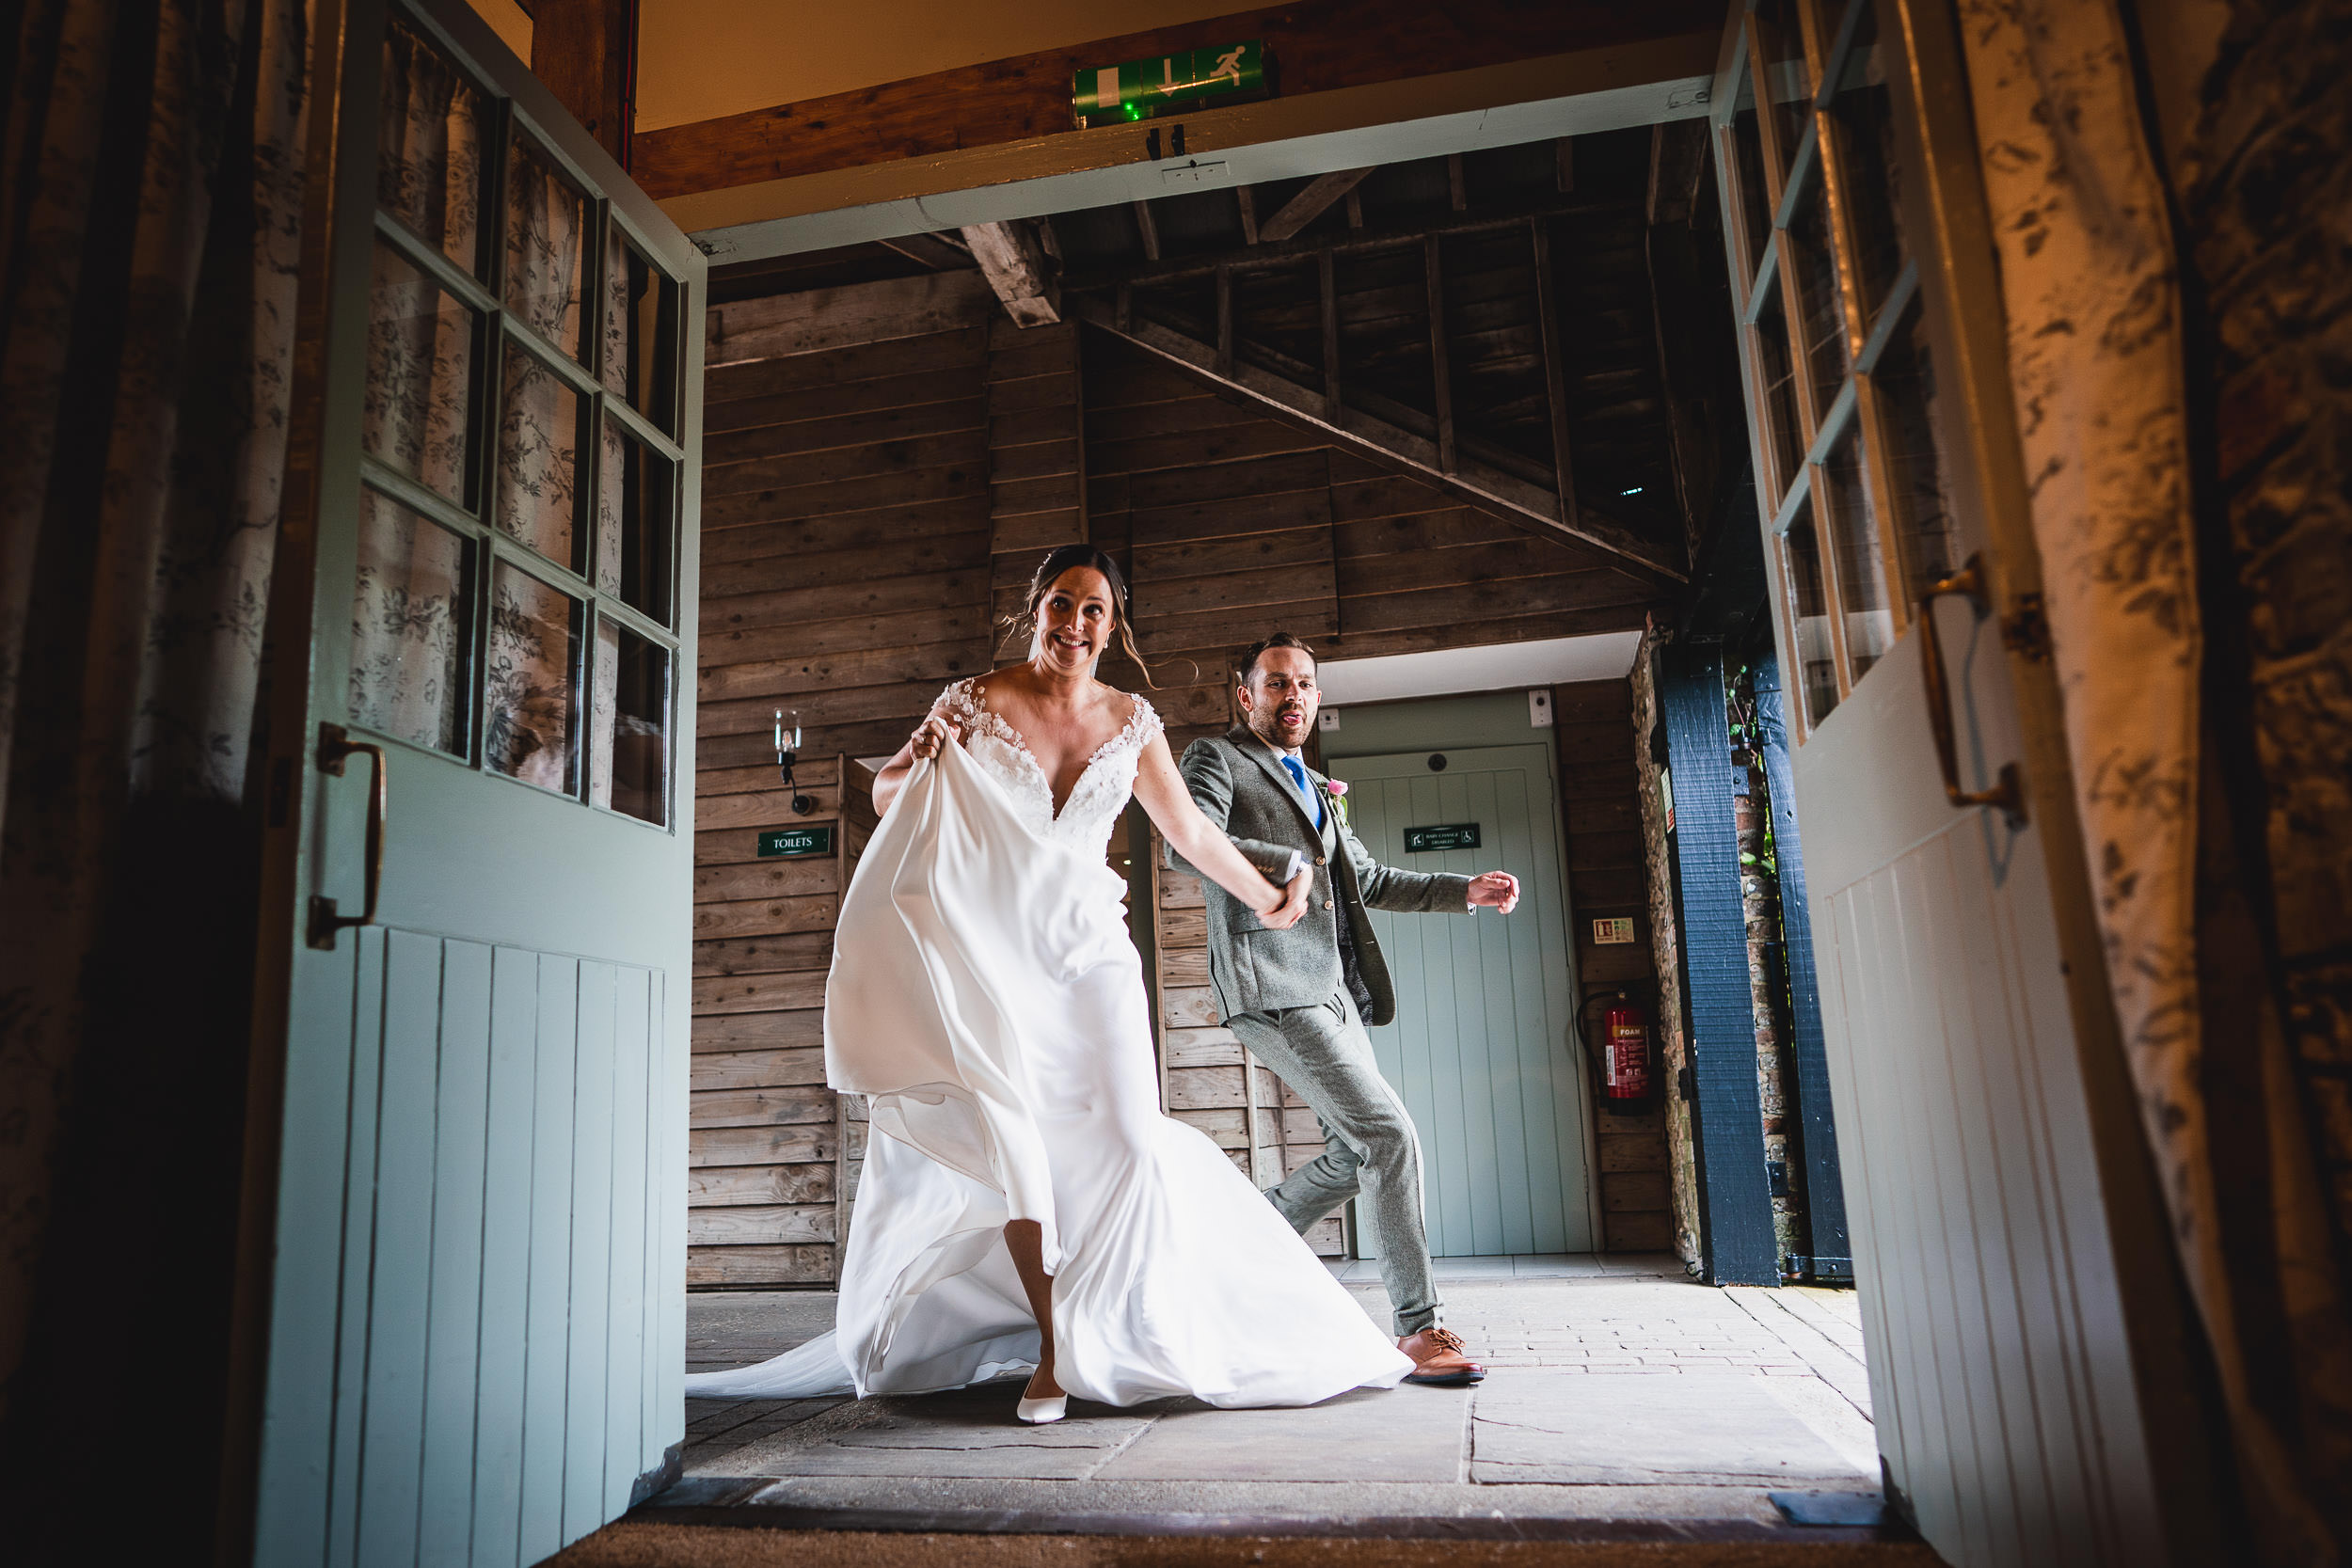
{"x":1623,"y":1403}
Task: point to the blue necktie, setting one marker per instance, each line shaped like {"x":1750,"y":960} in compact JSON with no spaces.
{"x":1299,"y":776}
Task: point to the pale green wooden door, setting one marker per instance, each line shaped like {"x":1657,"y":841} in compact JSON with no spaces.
{"x":476,"y":1306}
{"x":1483,"y":1047}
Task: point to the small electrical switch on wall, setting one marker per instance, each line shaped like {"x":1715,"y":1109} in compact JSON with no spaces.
{"x":1327,"y":718}
{"x":1539,"y":709}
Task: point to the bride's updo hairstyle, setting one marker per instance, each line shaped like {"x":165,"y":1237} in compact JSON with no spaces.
{"x":1049,"y":572}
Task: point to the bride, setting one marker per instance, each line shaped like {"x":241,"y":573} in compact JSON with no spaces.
{"x":1024,"y":1206}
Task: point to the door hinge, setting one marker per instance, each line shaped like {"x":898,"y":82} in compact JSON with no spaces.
{"x":2026,"y":630}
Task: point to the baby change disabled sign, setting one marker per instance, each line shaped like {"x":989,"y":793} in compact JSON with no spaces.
{"x":791,"y":843}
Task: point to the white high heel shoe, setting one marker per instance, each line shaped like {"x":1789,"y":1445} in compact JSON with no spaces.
{"x":1037,"y":1413}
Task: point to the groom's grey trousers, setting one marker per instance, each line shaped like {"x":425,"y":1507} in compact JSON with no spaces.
{"x":1369,"y":1146}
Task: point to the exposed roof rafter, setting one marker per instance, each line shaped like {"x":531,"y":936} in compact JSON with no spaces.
{"x":1530,"y":506}
{"x":1311,"y":203}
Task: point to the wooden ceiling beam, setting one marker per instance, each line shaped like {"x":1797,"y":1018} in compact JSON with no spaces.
{"x":1528,"y":505}
{"x":1311,"y":203}
{"x":1440,"y":353}
{"x":581,"y":50}
{"x":1555,"y":378}
{"x":1159,"y":268}
{"x":935,"y":251}
{"x":1012,"y":259}
{"x":1325,"y":45}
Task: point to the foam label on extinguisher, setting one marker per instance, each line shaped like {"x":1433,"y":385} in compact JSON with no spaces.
{"x":1626,"y":1031}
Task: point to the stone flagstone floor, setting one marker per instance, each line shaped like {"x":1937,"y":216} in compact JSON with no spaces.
{"x":1618,"y":1390}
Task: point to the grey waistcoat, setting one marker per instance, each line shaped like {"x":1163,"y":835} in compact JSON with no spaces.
{"x":1242,"y":789}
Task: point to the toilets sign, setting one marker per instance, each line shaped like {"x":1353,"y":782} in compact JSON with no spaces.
{"x":792,"y":843}
{"x":1142,"y":90}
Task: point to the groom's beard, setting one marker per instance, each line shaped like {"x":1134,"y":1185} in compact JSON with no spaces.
{"x":1261,"y":725}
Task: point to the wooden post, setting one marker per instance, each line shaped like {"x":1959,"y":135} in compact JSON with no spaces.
{"x":1440,"y":366}
{"x":1249,"y":205}
{"x":1555,"y":376}
{"x":1150,"y":229}
{"x":581,"y":50}
{"x":1312,"y":202}
{"x":1456,"y":189}
{"x":1325,"y":262}
{"x":1225,"y":321}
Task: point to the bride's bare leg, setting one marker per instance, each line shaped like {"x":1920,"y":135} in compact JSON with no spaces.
{"x":1026,"y":1240}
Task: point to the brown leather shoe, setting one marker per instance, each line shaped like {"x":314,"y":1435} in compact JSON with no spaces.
{"x":1440,"y":1358}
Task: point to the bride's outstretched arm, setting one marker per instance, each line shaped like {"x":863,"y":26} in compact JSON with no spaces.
{"x":1161,"y":789}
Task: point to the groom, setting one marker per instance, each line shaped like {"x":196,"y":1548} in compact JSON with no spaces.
{"x":1300,"y":998}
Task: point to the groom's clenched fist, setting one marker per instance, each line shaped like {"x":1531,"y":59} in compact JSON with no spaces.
{"x":1494,"y":890}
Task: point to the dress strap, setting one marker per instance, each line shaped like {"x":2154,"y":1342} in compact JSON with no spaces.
{"x":1144,"y":723}
{"x":960,"y":702}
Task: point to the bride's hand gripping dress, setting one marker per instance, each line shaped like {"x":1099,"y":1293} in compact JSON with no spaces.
{"x":985,"y":996}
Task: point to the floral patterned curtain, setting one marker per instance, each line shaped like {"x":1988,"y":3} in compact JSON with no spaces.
{"x":151,"y":225}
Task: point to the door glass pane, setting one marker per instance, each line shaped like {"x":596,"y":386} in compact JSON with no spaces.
{"x":1779,"y":376}
{"x":640,"y":332}
{"x":1781,"y":42}
{"x":420,"y":350}
{"x":527,"y":715}
{"x":1816,"y":660}
{"x":1823,"y":328}
{"x":1863,"y":122}
{"x":428,"y":156}
{"x":628,"y":749}
{"x":1853,"y":536}
{"x":1904,"y":385}
{"x":538,"y":466}
{"x":1747,"y":145}
{"x":634,"y":511}
{"x":409,"y":618}
{"x":547,"y":247}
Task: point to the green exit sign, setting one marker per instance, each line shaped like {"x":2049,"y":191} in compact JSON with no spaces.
{"x":795,"y":841}
{"x":1443,"y":837}
{"x":1139,"y":90}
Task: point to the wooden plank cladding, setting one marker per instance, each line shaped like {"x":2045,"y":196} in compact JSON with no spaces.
{"x":1593,"y":727}
{"x":1234,"y":524}
{"x":1207,"y":1079}
{"x":846,"y":550}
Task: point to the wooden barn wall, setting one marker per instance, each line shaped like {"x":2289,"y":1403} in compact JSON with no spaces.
{"x":872,"y":508}
{"x":846,"y":560}
{"x":1608,"y":877}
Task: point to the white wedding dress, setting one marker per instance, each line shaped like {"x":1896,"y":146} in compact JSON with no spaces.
{"x":987,"y":998}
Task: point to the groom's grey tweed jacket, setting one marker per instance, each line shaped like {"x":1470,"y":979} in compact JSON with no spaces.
{"x":1240,"y":786}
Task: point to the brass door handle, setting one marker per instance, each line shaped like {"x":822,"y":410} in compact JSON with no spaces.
{"x":2009,"y":790}
{"x":335,"y":746}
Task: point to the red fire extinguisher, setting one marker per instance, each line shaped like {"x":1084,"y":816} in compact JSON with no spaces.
{"x":1625,"y":1054}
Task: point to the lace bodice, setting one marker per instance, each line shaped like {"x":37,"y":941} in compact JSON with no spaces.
{"x":1086,"y":820}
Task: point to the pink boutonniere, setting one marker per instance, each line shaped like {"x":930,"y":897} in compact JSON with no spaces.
{"x":1336,"y":790}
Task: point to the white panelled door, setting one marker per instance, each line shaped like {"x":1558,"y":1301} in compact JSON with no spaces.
{"x":1483,"y":1049}
{"x":476,"y":1301}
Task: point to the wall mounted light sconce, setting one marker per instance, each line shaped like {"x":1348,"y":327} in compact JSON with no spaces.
{"x":788,"y":752}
